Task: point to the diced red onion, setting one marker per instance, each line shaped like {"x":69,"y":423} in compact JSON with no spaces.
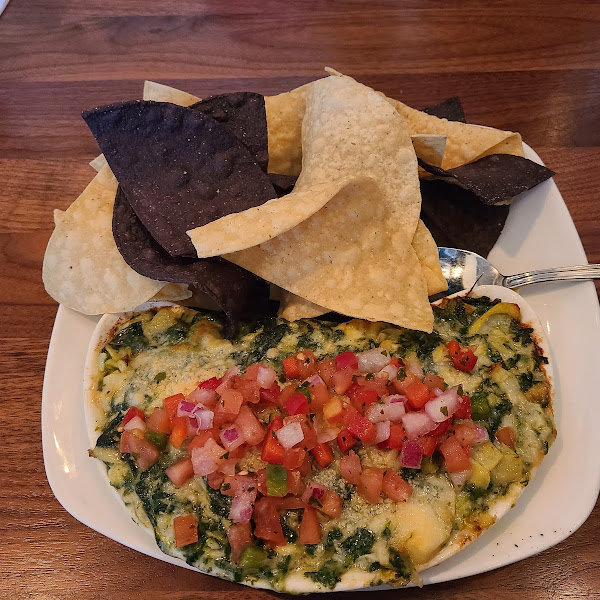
{"x":389,"y":371}
{"x":372,"y":361}
{"x":417,"y":424}
{"x":383,"y":431}
{"x":393,"y":398}
{"x":231,"y":438}
{"x":241,"y":508}
{"x":327,"y":435}
{"x":443,"y":406}
{"x":185,"y":408}
{"x":246,"y":484}
{"x":204,"y":417}
{"x":265,"y":377}
{"x":315,"y":380}
{"x":460,"y":478}
{"x":203,"y":461}
{"x":135,"y":423}
{"x":201,"y":396}
{"x":376,"y":413}
{"x":412,"y":454}
{"x":413,"y":366}
{"x":481,"y":435}
{"x":290,"y":435}
{"x":314,"y":490}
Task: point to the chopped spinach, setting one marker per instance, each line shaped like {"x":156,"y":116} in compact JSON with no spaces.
{"x":272,"y":333}
{"x":332,"y":536}
{"x":109,"y":438}
{"x":219,"y":503}
{"x":525,"y":380}
{"x":359,"y":543}
{"x":400,"y":564}
{"x":132,"y":337}
{"x":328,"y":575}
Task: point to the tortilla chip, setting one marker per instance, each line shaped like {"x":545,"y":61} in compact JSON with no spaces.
{"x":178,"y":167}
{"x":293,"y":307}
{"x":163,"y":93}
{"x":82,"y":267}
{"x":427,"y":252}
{"x":497,"y":178}
{"x":243,"y":113}
{"x":356,"y":251}
{"x":429,"y":148}
{"x":283,"y":184}
{"x":172,"y":292}
{"x":98,"y":163}
{"x":450,"y":109}
{"x":457,"y":219}
{"x":229,"y":287}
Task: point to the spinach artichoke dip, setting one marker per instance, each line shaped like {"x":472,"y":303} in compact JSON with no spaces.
{"x":313,"y":455}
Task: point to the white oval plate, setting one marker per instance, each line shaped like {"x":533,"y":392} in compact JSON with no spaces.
{"x":539,"y":233}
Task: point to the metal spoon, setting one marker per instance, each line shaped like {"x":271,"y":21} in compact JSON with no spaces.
{"x":463,"y":269}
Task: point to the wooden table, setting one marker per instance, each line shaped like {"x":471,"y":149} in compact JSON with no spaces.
{"x":528,"y":67}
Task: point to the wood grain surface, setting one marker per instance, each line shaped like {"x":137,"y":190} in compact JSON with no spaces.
{"x":533,"y":67}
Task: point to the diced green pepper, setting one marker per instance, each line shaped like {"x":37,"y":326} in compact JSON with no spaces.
{"x":276,"y":480}
{"x":480,"y":409}
{"x":157,"y":439}
{"x":252,"y":557}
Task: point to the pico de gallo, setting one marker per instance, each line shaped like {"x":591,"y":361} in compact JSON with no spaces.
{"x":285,"y":458}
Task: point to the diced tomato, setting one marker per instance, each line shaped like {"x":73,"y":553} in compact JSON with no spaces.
{"x":346,"y":359}
{"x":270,"y":394}
{"x":159,"y":421}
{"x":417,"y":394}
{"x":134,"y":411}
{"x":221,"y":416}
{"x":180,"y":472}
{"x":342,"y":380}
{"x":239,"y":535}
{"x":179,"y":432}
{"x":319,"y":394}
{"x":291,"y":367}
{"x":238,"y":452}
{"x":294,"y":419}
{"x":463,"y":359}
{"x":363,"y":429}
{"x":250,"y":426}
{"x":433,"y":382}
{"x":400,"y":385}
{"x":507,"y":436}
{"x":294,"y":482}
{"x":200,"y":439}
{"x":232,"y":401}
{"x":305,"y":468}
{"x":440,"y":429}
{"x":326,"y":368}
{"x":376,"y":384}
{"x":185,"y":528}
{"x":261,"y":481}
{"x":371,"y":484}
{"x":333,"y":409}
{"x":310,"y":528}
{"x":395,"y":487}
{"x":428,"y":444}
{"x":251,"y":372}
{"x":464,"y":410}
{"x":249,"y":389}
{"x":331,"y":504}
{"x":397,"y":436}
{"x":307,"y":363}
{"x":171,"y":403}
{"x":455,"y":456}
{"x":466,"y":433}
{"x":345,"y":441}
{"x":289,"y":503}
{"x":272,"y":451}
{"x":267,"y":523}
{"x":146,"y":454}
{"x":297,"y":405}
{"x":349,"y":413}
{"x":323,"y":454}
{"x":210,"y":384}
{"x":310,"y":436}
{"x":214,"y":480}
{"x":293,"y":458}
{"x":286,"y":393}
{"x":350,"y":467}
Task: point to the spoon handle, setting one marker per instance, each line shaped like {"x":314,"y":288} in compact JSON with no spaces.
{"x":556,"y":274}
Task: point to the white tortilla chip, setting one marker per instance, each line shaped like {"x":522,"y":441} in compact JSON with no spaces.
{"x":82,"y":267}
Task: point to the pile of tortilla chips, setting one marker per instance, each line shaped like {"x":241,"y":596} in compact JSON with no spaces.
{"x":315,"y":190}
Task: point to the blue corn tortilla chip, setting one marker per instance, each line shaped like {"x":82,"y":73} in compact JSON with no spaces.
{"x":450,"y":109}
{"x":236,"y":291}
{"x":457,"y":219}
{"x":494,"y":179}
{"x":179,"y":168}
{"x":243,"y":113}
{"x":283,"y":184}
